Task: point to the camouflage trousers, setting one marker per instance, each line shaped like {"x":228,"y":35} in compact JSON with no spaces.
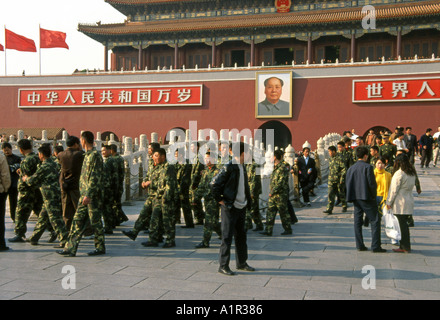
{"x":277,"y":203}
{"x":143,"y":221}
{"x":85,"y":215}
{"x":212,"y":222}
{"x":336,"y":189}
{"x":51,"y":214}
{"x":254,"y":214}
{"x":117,"y":207}
{"x":184,"y":204}
{"x":108,"y":213}
{"x":162,"y":222}
{"x":197,"y":207}
{"x":28,"y":201}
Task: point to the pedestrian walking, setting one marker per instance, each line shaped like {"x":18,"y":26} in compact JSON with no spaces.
{"x":5,"y":183}
{"x":362,"y":190}
{"x":400,"y":198}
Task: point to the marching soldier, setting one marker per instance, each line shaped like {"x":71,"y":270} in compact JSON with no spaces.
{"x":196,"y":175}
{"x":212,"y":222}
{"x":29,"y":197}
{"x":120,"y":215}
{"x":90,"y":202}
{"x":110,"y":185}
{"x":144,"y":219}
{"x":278,"y":196}
{"x":47,"y":179}
{"x":183,"y":173}
{"x":256,"y":189}
{"x":163,"y":203}
{"x":336,"y":181}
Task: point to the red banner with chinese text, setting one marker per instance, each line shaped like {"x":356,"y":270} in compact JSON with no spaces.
{"x":396,"y":90}
{"x":186,"y":95}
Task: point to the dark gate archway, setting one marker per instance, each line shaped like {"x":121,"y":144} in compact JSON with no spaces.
{"x":282,"y":134}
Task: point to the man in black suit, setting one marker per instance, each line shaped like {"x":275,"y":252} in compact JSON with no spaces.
{"x":306,"y":174}
{"x":71,"y":163}
{"x":411,"y":144}
{"x":230,"y":189}
{"x":362,"y":190}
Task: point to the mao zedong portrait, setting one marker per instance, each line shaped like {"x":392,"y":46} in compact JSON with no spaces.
{"x":273,"y":105}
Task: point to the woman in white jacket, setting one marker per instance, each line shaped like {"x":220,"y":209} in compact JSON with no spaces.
{"x":400,"y":197}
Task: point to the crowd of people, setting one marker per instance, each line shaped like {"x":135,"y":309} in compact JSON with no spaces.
{"x":77,"y":192}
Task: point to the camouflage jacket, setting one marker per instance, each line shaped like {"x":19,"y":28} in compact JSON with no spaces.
{"x":110,"y":176}
{"x":28,"y":167}
{"x":204,"y":189}
{"x":183,"y":175}
{"x":337,"y":170}
{"x":120,"y":169}
{"x":389,"y":150}
{"x":90,"y":181}
{"x":166,"y":183}
{"x":196,"y":173}
{"x":47,"y":179}
{"x":254,"y":179}
{"x":152,"y":176}
{"x":346,"y":157}
{"x":279,"y":180}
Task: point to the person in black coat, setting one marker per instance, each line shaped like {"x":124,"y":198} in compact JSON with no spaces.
{"x":230,"y":189}
{"x":306,"y":174}
{"x":362,"y":190}
{"x":411,"y":143}
{"x":14,"y":165}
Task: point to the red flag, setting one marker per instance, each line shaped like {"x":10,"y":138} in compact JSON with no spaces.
{"x":16,"y":42}
{"x":52,"y":39}
{"x":1,"y":48}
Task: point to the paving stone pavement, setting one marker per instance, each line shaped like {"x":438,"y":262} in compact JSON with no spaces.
{"x":319,"y":261}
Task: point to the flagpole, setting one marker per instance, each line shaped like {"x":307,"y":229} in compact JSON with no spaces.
{"x":39,"y":43}
{"x":5,"y":53}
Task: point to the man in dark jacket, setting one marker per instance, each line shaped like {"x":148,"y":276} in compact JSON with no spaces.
{"x":306,"y":174}
{"x":230,"y":189}
{"x":426,"y":143}
{"x":362,"y":190}
{"x":71,"y":163}
{"x":14,"y":165}
{"x":411,"y":143}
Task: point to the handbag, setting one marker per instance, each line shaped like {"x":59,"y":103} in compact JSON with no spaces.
{"x":392,"y":227}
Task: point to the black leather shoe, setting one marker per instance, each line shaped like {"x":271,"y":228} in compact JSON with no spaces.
{"x":202,"y":245}
{"x":65,"y":253}
{"x":188,"y":227}
{"x":258,"y":229}
{"x":246,"y":267}
{"x":285,"y":233}
{"x":150,"y":244}
{"x":344,"y":209}
{"x":363,"y":249}
{"x":171,"y":244}
{"x":226,"y":271}
{"x":4,"y":248}
{"x":96,"y":253}
{"x":130,"y":234}
{"x":265,"y":233}
{"x":328,"y":212}
{"x":379,"y":250}
{"x":17,"y":239}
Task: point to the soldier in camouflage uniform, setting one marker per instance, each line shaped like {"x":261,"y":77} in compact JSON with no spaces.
{"x":90,"y":202}
{"x":212,"y":207}
{"x":336,"y":181}
{"x":163,"y":203}
{"x":256,"y":189}
{"x":278,"y":196}
{"x":196,"y":175}
{"x":29,"y":197}
{"x":387,"y":149}
{"x":183,"y":173}
{"x":149,"y":182}
{"x":47,"y":179}
{"x":117,"y":204}
{"x":109,"y":189}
